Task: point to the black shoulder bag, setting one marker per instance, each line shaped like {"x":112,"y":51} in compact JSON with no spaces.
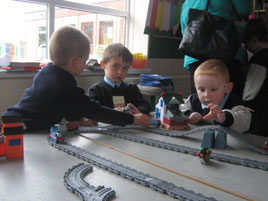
{"x":209,"y":36}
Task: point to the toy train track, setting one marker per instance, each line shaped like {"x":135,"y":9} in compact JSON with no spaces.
{"x":178,"y":148}
{"x":172,"y":133}
{"x":131,"y":174}
{"x":74,"y":182}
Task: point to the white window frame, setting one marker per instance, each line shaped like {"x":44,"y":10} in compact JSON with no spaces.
{"x":83,"y":7}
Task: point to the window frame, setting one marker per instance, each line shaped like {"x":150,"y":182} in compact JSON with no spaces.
{"x":52,"y":4}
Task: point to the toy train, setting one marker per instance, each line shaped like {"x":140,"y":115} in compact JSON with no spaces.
{"x":57,"y":131}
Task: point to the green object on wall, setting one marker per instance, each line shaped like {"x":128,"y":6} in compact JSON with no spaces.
{"x":165,"y":48}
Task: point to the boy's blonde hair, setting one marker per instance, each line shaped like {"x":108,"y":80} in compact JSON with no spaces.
{"x":213,"y":67}
{"x":68,"y":42}
{"x":117,"y":50}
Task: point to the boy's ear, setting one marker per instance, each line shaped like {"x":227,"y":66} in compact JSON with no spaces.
{"x":102,"y":64}
{"x":229,"y":87}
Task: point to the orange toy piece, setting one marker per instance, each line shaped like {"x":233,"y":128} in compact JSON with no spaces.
{"x":2,"y":149}
{"x":12,"y":129}
{"x":14,"y":146}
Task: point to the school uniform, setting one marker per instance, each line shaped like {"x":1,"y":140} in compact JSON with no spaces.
{"x":114,"y":95}
{"x":237,"y":116}
{"x":54,"y":95}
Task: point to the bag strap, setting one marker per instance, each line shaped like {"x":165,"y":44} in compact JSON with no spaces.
{"x":234,"y":11}
{"x":207,"y":5}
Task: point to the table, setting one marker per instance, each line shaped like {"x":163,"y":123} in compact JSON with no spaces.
{"x":39,"y":176}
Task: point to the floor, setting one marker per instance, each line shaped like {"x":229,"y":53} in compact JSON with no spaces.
{"x":39,"y":176}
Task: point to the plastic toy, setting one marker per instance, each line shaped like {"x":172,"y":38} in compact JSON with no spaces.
{"x":221,"y":140}
{"x":155,"y":122}
{"x":11,"y":143}
{"x":204,"y":154}
{"x":113,"y":131}
{"x":167,"y":110}
{"x":132,"y":174}
{"x":75,"y":182}
{"x":266,"y":145}
{"x":55,"y":135}
{"x":72,"y":125}
{"x":209,"y":140}
{"x":127,"y":109}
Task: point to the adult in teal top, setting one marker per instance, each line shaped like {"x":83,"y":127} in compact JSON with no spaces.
{"x":223,"y":9}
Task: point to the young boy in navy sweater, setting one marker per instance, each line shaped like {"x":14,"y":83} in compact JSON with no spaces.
{"x":112,"y":91}
{"x":54,"y":94}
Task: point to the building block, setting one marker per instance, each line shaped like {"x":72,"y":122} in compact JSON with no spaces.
{"x":2,"y":149}
{"x":8,"y":129}
{"x":208,"y":139}
{"x":8,"y":117}
{"x":12,"y":129}
{"x":14,"y":146}
{"x":221,"y":140}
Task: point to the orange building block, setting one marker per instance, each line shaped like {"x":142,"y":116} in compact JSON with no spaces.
{"x":2,"y":149}
{"x":14,"y":146}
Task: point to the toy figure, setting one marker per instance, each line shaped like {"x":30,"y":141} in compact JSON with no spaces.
{"x":204,"y":154}
{"x":266,"y":145}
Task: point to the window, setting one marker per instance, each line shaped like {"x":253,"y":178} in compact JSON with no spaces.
{"x":27,"y":29}
{"x":22,"y":36}
{"x":117,"y":4}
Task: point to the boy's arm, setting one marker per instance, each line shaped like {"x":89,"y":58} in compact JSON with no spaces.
{"x":186,"y":108}
{"x":255,"y":79}
{"x":137,"y":99}
{"x":242,"y":118}
{"x":94,"y":93}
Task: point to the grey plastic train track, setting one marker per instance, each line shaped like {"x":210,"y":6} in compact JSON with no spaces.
{"x":74,"y":182}
{"x":132,"y":174}
{"x":182,"y":133}
{"x":178,"y":148}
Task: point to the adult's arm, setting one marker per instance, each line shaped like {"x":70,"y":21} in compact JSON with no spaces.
{"x":254,"y":81}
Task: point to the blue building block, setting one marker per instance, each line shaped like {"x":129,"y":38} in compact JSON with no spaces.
{"x":221,"y":140}
{"x":208,"y":139}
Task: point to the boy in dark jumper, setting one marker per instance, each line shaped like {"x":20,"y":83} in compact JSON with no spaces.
{"x":112,"y":91}
{"x":54,"y":94}
{"x":214,"y":101}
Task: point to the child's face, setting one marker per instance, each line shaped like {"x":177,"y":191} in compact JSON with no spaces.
{"x":211,"y":89}
{"x":251,"y":44}
{"x":115,"y":69}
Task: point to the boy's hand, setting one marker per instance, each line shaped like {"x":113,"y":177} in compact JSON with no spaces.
{"x":87,"y":122}
{"x":142,"y":120}
{"x":195,"y":117}
{"x":215,"y":113}
{"x":134,"y":109}
{"x":119,"y":109}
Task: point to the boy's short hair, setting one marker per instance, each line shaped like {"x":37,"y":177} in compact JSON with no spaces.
{"x":255,"y":28}
{"x":117,"y":50}
{"x":68,"y":42}
{"x":213,"y":67}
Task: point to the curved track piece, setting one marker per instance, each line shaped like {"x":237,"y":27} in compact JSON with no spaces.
{"x":132,"y":174}
{"x":74,"y":182}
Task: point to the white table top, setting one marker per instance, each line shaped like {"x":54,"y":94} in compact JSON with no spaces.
{"x":39,"y":176}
